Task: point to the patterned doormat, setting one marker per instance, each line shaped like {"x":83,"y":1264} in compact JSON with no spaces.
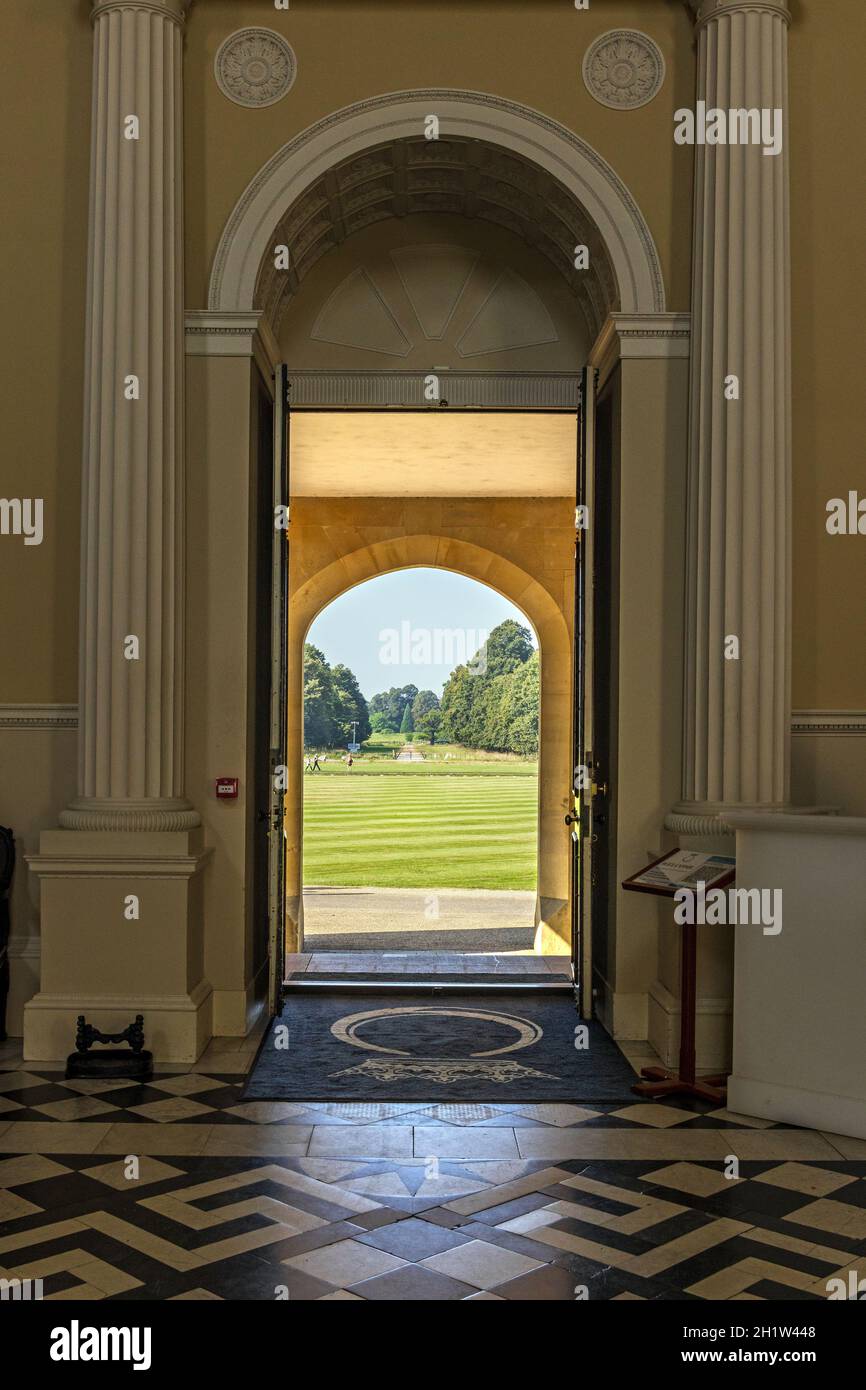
{"x":337,"y":1046}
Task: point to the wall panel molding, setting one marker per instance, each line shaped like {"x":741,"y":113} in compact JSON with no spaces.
{"x":38,"y":716}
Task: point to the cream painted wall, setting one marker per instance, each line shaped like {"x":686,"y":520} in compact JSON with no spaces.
{"x":220,"y":468}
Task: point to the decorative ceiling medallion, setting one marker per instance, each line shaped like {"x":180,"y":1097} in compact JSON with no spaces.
{"x":623,"y":69}
{"x":255,"y":67}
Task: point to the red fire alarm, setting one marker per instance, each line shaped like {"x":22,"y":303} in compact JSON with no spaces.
{"x":227,"y":788}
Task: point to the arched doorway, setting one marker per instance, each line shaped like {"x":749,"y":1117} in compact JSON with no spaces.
{"x":544,"y":173}
{"x":318,"y":585}
{"x":420,"y":786}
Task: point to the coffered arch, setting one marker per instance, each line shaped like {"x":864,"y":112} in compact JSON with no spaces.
{"x":494,"y":160}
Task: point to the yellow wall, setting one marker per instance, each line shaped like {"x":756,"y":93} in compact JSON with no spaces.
{"x":828,"y":214}
{"x":44,"y":161}
{"x":346,"y":52}
{"x":527,"y":53}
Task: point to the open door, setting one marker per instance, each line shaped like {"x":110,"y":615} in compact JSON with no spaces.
{"x":584,"y":785}
{"x":279,"y":684}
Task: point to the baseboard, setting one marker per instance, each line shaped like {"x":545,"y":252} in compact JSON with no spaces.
{"x":713,"y":1022}
{"x":24,"y":955}
{"x":767,"y":1100}
{"x":235,"y":1011}
{"x":623,"y":1015}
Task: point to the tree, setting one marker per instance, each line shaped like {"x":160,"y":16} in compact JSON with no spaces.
{"x":492,"y":702}
{"x":319,"y":700}
{"x":507,"y":647}
{"x":430,"y":724}
{"x":332,"y":700}
{"x":391,"y":704}
{"x":406,"y":724}
{"x":350,"y":705}
{"x":426,"y":717}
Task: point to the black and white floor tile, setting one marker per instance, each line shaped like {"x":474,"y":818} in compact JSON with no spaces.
{"x":179,"y":1190}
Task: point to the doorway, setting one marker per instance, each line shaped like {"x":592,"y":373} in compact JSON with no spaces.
{"x":499,"y":507}
{"x":420,"y":785}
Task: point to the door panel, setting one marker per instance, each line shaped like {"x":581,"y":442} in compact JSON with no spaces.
{"x":604,"y":769}
{"x":279,"y":693}
{"x":580,"y":817}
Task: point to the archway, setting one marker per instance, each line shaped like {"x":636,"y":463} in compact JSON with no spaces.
{"x":572,"y":165}
{"x":552,"y":626}
{"x":420,"y":786}
{"x":237,"y":348}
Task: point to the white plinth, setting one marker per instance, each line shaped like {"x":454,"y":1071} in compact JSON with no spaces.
{"x":799,"y":1047}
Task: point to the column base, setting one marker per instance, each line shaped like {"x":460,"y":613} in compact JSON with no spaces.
{"x":104,"y":813}
{"x":176,"y":1029}
{"x":122,"y":934}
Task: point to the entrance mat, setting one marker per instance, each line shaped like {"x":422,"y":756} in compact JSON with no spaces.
{"x":334,"y":1046}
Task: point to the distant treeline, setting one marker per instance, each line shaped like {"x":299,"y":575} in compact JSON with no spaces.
{"x":490,"y":703}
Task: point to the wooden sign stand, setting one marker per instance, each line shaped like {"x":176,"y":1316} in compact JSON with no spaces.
{"x":658,"y":1081}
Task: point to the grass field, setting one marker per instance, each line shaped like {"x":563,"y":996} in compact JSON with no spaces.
{"x":421,"y":825}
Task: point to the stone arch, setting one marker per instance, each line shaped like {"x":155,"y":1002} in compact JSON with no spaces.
{"x":584,"y":175}
{"x":552,"y":626}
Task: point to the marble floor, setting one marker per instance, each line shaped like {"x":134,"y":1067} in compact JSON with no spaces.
{"x":179,"y":1190}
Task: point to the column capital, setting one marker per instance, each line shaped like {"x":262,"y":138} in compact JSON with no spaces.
{"x":175,"y":10}
{"x":702,"y":11}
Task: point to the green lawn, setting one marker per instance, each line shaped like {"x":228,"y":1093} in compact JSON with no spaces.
{"x":421,"y":825}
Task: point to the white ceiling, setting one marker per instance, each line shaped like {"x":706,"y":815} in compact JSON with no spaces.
{"x":432,"y":454}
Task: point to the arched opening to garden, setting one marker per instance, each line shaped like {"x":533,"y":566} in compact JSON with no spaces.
{"x":420,"y":785}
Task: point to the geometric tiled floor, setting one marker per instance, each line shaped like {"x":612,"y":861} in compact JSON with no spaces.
{"x":179,"y":1190}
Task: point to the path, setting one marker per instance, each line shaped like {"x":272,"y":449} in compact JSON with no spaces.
{"x":409,"y":754}
{"x":443,"y":919}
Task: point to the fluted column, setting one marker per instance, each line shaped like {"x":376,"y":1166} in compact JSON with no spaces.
{"x":132,"y":598}
{"x":737,"y":707}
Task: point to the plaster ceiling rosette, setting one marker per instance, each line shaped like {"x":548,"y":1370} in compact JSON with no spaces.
{"x":255,"y":67}
{"x":623,"y":69}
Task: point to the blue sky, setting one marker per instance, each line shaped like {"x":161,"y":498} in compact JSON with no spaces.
{"x":409,"y":627}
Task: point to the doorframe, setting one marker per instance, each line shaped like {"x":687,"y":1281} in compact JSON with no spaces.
{"x":276,"y":951}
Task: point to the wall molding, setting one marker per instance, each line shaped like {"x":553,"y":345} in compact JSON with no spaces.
{"x":38,"y":716}
{"x":640,"y":336}
{"x":527,"y":390}
{"x":220,"y":333}
{"x":819,"y":722}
